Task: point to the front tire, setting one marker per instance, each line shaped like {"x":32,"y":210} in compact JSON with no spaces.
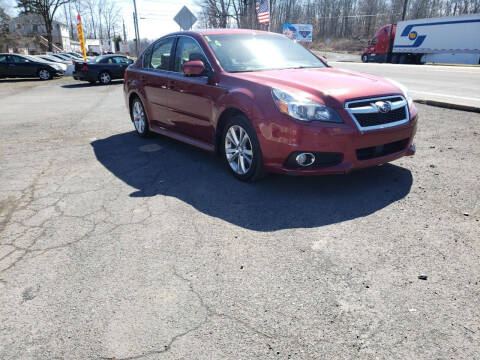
{"x":365,"y":58}
{"x":44,"y":74}
{"x":105,"y":78}
{"x":139,"y":118}
{"x":241,"y":149}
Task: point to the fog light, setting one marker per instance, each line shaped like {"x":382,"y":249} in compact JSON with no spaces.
{"x":305,"y":159}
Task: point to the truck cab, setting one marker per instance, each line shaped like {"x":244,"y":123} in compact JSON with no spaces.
{"x":381,"y":45}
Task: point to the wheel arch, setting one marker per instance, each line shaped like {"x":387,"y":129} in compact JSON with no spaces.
{"x":222,"y":120}
{"x":132,"y":97}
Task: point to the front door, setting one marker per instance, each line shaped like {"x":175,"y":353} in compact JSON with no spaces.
{"x":155,"y":78}
{"x":191,"y":98}
{"x":21,"y":67}
{"x":3,"y":66}
{"x":122,"y":63}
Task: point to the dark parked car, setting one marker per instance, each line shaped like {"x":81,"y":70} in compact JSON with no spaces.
{"x":102,"y":68}
{"x":267,"y":104}
{"x":14,"y":65}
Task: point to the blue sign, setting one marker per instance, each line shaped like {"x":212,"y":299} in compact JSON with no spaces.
{"x":299,"y":32}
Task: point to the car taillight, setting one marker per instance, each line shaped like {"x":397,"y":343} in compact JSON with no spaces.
{"x":85,"y":68}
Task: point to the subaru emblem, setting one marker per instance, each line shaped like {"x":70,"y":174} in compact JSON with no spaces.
{"x":383,"y":106}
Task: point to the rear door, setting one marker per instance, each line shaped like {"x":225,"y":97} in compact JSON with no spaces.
{"x":157,"y":67}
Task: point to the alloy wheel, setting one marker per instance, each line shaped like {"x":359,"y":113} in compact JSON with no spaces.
{"x":238,"y":149}
{"x":44,"y":74}
{"x":105,"y":78}
{"x":138,"y":117}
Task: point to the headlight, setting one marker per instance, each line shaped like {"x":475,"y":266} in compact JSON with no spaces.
{"x":302,"y":108}
{"x":405,"y":91}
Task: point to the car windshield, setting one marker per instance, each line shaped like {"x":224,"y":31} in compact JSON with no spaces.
{"x":31,"y":58}
{"x":50,"y":58}
{"x":60,"y":56}
{"x":256,"y":52}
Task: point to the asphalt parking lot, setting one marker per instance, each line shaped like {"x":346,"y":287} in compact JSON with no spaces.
{"x":117,"y":247}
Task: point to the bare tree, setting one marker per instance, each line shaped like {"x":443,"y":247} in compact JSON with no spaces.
{"x":46,"y":9}
{"x":111,"y":17}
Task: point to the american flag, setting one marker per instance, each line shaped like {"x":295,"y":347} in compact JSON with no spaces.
{"x":263,"y":11}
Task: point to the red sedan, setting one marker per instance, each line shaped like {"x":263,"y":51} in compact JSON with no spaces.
{"x":266,"y":104}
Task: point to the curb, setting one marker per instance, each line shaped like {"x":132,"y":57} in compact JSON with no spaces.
{"x":447,"y":105}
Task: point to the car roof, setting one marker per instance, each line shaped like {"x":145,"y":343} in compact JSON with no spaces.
{"x":227,"y":31}
{"x":203,"y":32}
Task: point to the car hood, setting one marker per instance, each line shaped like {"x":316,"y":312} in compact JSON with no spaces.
{"x":328,"y":85}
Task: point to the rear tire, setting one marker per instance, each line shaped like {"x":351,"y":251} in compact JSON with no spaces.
{"x":105,"y":78}
{"x":139,"y":118}
{"x":241,"y":150}
{"x":365,"y":58}
{"x":403,"y":59}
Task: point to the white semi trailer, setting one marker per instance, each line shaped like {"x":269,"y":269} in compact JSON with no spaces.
{"x":453,"y":39}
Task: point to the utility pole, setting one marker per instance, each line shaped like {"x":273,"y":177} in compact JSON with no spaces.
{"x":405,"y":2}
{"x":137,"y":33}
{"x":124,"y":32}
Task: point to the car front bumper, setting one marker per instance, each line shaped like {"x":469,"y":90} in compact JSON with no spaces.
{"x":339,"y":148}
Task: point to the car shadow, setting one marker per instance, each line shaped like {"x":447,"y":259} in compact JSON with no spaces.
{"x":159,"y":165}
{"x":87,"y":84}
{"x":17,"y":80}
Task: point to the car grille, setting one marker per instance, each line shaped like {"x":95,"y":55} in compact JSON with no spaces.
{"x":368,"y":116}
{"x":373,"y":119}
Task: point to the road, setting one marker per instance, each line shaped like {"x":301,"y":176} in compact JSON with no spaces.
{"x":117,"y":247}
{"x":450,"y":84}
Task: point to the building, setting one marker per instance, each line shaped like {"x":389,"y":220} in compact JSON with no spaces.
{"x":31,"y":29}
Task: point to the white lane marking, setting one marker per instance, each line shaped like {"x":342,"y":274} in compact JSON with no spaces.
{"x":434,"y":68}
{"x":444,"y":95}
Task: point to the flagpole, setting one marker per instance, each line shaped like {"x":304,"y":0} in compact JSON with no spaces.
{"x":269,"y":14}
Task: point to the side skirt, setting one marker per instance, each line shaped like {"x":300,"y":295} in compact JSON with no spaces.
{"x":183,"y":138}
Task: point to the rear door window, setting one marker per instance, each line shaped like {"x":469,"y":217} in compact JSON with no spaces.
{"x":161,"y":55}
{"x":3,"y":58}
{"x":120,"y":60}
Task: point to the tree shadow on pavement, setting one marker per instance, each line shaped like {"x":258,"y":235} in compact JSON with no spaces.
{"x":159,"y":165}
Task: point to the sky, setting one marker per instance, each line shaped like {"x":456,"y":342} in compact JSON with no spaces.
{"x":155,"y":16}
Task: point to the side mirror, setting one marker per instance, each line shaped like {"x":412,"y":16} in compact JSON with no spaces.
{"x":130,"y":61}
{"x":193,"y":68}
